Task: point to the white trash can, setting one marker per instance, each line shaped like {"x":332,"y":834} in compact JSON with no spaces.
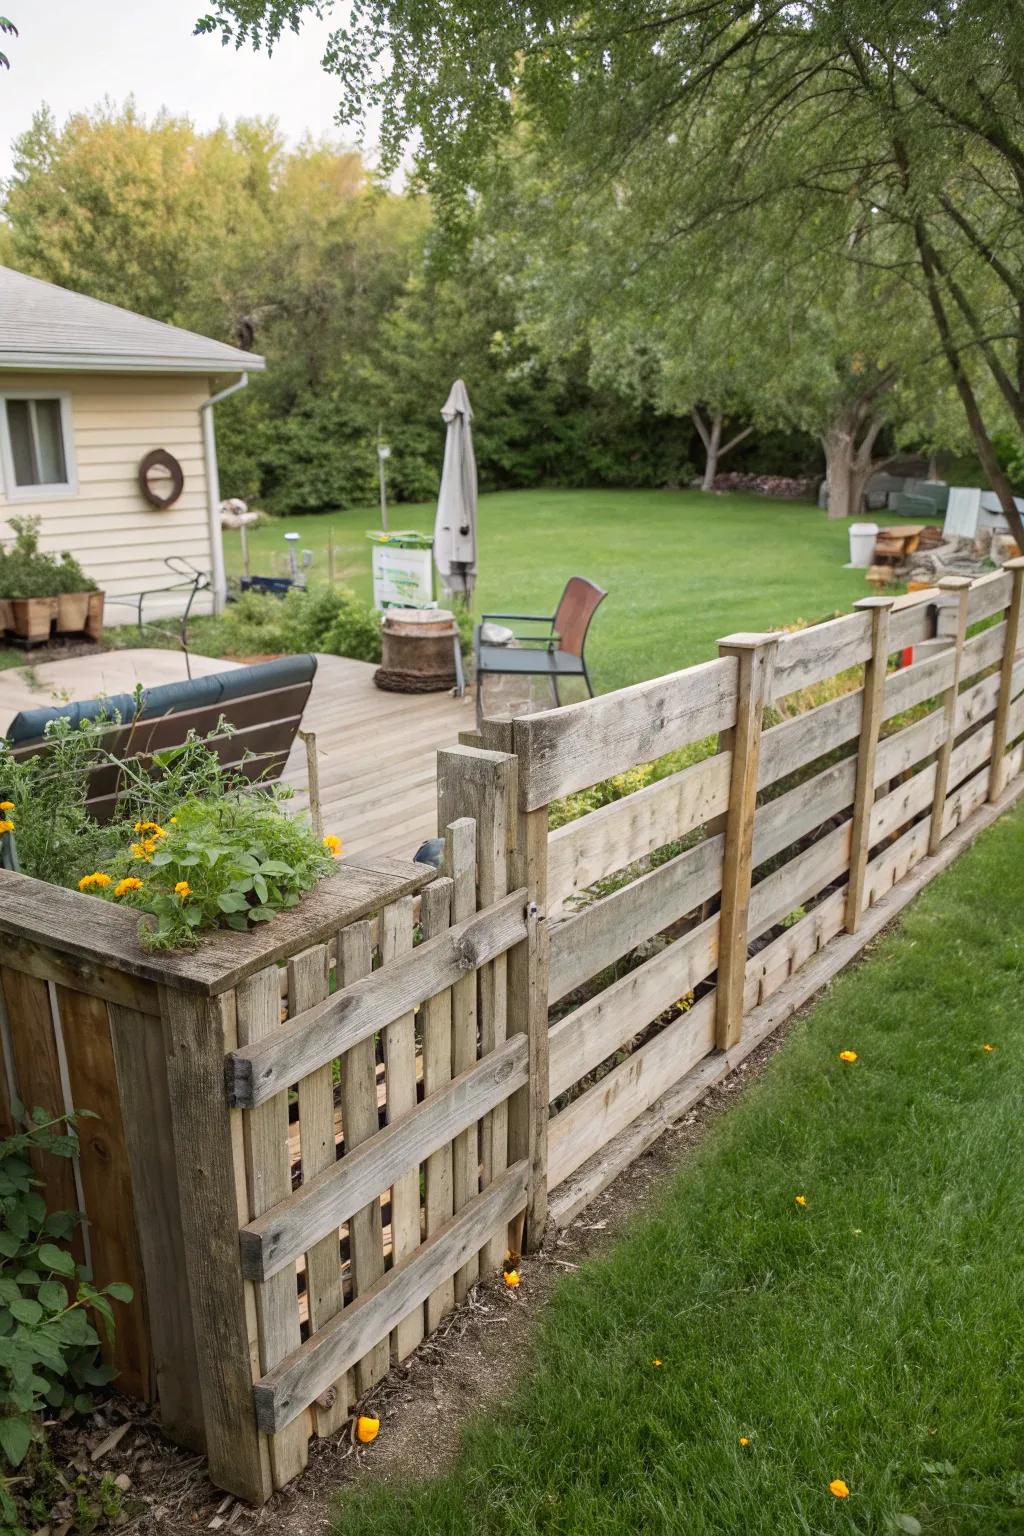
{"x":862,"y":544}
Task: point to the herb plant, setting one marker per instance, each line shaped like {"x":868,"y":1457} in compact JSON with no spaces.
{"x":25,"y":571}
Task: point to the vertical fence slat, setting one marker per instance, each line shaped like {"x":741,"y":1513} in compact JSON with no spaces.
{"x":875,"y":669}
{"x":960,"y":587}
{"x":460,"y":865}
{"x":360,"y":1120}
{"x":1014,"y":635}
{"x":137,"y":1040}
{"x":198,"y":1033}
{"x":37,"y":1069}
{"x":269,"y":1179}
{"x":756,"y":657}
{"x":106,"y":1180}
{"x":396,"y":939}
{"x":436,"y":1025}
{"x":308,"y":985}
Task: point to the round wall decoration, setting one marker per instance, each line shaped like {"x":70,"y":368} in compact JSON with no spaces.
{"x":161,"y":478}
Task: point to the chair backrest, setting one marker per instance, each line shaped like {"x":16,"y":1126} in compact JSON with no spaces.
{"x":576,"y":607}
{"x":263,"y":705}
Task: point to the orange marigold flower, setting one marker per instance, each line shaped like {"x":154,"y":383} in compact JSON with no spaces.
{"x":6,"y":805}
{"x":152,"y":827}
{"x":847,"y":1055}
{"x":511,"y":1278}
{"x":96,"y":880}
{"x":124,"y":886}
{"x":183,"y":889}
{"x":367,"y":1429}
{"x":838,"y":1488}
{"x":6,"y":826}
{"x":800,"y":1199}
{"x":333,"y":844}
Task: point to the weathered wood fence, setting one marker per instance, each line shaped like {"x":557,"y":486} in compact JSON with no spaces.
{"x":315,"y":1138}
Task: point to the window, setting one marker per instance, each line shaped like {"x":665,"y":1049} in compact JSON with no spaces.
{"x":35,"y":438}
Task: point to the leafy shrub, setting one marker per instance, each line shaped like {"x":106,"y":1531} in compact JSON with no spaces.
{"x":26,"y":572}
{"x":236,"y":860}
{"x":49,"y":1349}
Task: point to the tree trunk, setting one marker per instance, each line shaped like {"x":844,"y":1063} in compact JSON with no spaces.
{"x":714,"y":449}
{"x":839,"y":471}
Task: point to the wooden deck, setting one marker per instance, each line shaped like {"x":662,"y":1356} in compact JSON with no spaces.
{"x":376,"y":750}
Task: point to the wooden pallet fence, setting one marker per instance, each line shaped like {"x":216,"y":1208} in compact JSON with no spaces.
{"x":792,"y":833}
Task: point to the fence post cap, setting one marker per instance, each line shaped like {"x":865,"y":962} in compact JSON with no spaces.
{"x":748,"y":641}
{"x":954,"y":583}
{"x":1016,"y":564}
{"x":874,"y":602}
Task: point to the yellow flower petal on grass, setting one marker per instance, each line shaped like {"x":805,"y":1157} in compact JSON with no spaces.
{"x":838,"y":1488}
{"x":988,"y":1047}
{"x":800,"y":1199}
{"x":847,"y":1055}
{"x":6,"y":805}
{"x":655,"y":1362}
{"x":744,"y":1440}
{"x":511,"y":1278}
{"x":367,"y":1429}
{"x":6,"y":826}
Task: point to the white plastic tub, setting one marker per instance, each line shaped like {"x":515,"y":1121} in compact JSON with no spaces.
{"x":862,"y":544}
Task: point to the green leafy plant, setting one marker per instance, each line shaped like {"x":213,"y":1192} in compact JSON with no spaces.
{"x":233,"y":861}
{"x":49,"y":1348}
{"x":25,"y":571}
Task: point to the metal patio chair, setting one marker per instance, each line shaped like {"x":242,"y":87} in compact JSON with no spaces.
{"x":554,"y":654}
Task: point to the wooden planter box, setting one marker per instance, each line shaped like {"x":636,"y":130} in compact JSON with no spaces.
{"x":89,"y":1020}
{"x":34,"y":619}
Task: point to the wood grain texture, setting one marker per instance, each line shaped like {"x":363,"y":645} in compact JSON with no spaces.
{"x":616,"y":835}
{"x":314,"y":1036}
{"x":1011,"y":640}
{"x":436,"y":1027}
{"x":779,"y":894}
{"x":38,"y":1079}
{"x":810,"y":655}
{"x":563,"y":750}
{"x":756,"y":658}
{"x":958,"y":588}
{"x":360,"y":1119}
{"x":280,"y":1395}
{"x":80,"y":975}
{"x":137,"y":1043}
{"x":460,"y":867}
{"x":105,"y":1173}
{"x":875,"y":671}
{"x":400,"y":1073}
{"x":803,"y":739}
{"x":912,"y":685}
{"x":268,"y":1169}
{"x":307,"y":987}
{"x":211,"y":1183}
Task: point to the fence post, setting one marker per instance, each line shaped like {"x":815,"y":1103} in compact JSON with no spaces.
{"x":997,"y":772}
{"x":482,"y":785}
{"x":528,"y":993}
{"x":755,"y":655}
{"x":960,"y":586}
{"x":875,"y":668}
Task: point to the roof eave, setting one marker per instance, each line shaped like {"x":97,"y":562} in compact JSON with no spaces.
{"x":70,"y":362}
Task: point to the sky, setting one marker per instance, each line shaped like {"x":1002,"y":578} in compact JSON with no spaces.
{"x":70,"y":54}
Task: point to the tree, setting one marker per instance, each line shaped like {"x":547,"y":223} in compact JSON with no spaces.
{"x":853,"y":117}
{"x":7,"y":29}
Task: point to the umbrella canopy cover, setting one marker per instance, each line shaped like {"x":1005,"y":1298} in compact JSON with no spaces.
{"x":455,"y":524}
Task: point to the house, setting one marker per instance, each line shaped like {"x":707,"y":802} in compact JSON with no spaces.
{"x":107,"y":436}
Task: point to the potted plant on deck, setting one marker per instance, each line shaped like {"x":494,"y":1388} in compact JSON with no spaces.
{"x":41,"y":592}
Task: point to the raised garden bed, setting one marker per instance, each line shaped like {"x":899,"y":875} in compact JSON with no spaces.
{"x":34,"y":620}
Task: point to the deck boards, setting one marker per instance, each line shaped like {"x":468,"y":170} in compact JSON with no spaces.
{"x":377,"y":751}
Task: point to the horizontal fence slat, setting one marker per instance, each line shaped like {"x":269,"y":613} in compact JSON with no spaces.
{"x":975,"y":703}
{"x":810,"y":655}
{"x":585,"y":943}
{"x":983,"y":650}
{"x":806,"y":737}
{"x":599,"y":1114}
{"x":585,"y":1037}
{"x":776,"y":962}
{"x":988,"y":595}
{"x":285,"y":1392}
{"x":791,"y":816}
{"x":925,"y":679}
{"x":904,"y":748}
{"x":781,"y":892}
{"x":608,"y":839}
{"x":564,"y":750}
{"x":912,"y":619}
{"x":317,"y":1035}
{"x":280,"y":1235}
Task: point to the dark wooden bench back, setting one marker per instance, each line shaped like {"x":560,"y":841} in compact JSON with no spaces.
{"x":263,"y":704}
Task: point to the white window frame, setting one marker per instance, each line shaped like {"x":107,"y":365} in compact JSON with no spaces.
{"x":56,"y":490}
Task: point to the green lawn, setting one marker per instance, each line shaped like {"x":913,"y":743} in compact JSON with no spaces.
{"x":873,"y":1335}
{"x":682,"y":568}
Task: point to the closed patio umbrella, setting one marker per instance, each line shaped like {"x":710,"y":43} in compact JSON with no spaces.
{"x":455,"y":524}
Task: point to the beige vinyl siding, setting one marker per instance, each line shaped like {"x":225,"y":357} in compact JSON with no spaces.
{"x":108,"y":525}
